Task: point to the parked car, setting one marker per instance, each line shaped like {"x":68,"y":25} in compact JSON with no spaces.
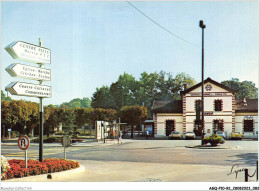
{"x":175,"y":135}
{"x":221,"y":134}
{"x":236,"y":135}
{"x":190,"y":135}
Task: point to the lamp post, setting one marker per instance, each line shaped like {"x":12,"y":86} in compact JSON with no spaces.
{"x":202,"y":26}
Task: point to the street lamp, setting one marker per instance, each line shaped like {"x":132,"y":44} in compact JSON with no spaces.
{"x":202,"y":85}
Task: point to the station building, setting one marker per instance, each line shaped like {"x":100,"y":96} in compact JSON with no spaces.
{"x":222,"y":112}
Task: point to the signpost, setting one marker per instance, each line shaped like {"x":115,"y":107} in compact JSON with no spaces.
{"x":27,"y":89}
{"x":35,"y":54}
{"x":23,"y":144}
{"x":29,"y":52}
{"x":66,"y":141}
{"x":29,"y":72}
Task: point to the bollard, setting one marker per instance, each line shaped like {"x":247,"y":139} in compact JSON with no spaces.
{"x":246,"y":175}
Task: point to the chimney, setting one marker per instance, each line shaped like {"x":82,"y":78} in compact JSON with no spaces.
{"x":244,"y":101}
{"x":185,"y":86}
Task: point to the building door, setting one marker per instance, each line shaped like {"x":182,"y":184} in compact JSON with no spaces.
{"x":218,"y":125}
{"x":197,"y":127}
{"x":169,"y":127}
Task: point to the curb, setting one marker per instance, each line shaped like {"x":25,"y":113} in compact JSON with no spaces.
{"x":206,"y":147}
{"x":43,"y":177}
{"x":72,"y":145}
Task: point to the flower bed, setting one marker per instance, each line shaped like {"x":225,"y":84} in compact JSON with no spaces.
{"x":17,"y":167}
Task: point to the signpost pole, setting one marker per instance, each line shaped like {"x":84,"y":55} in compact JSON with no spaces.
{"x":64,"y":151}
{"x":26,"y":166}
{"x":41,"y":120}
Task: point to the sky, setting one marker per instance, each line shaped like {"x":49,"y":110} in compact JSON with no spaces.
{"x":92,"y":43}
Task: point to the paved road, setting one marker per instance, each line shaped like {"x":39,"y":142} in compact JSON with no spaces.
{"x":152,"y":151}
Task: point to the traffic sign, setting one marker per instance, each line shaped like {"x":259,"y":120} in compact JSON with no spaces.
{"x":23,"y":142}
{"x":27,"y":89}
{"x":29,"y":52}
{"x":66,"y":141}
{"x":29,"y":72}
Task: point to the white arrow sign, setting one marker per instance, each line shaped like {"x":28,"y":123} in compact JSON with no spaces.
{"x":29,"y":72}
{"x":27,"y":89}
{"x":29,"y":52}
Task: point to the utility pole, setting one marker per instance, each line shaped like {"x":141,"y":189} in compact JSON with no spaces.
{"x":202,"y":26}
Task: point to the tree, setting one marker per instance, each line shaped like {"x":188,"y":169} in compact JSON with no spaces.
{"x":123,"y":91}
{"x":8,"y":119}
{"x":80,"y":117}
{"x":77,"y":103}
{"x":169,"y":87}
{"x":67,"y":117}
{"x":179,"y":81}
{"x":52,"y":118}
{"x":3,"y":97}
{"x":147,"y":89}
{"x":100,"y":114}
{"x":245,"y":89}
{"x":129,"y":91}
{"x":86,"y":102}
{"x":133,"y":115}
{"x":102,"y":98}
{"x":19,"y":115}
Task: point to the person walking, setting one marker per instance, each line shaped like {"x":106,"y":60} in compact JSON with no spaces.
{"x":147,"y":134}
{"x":119,"y":137}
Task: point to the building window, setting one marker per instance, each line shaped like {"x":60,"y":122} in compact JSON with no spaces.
{"x":248,"y":125}
{"x":218,"y":105}
{"x":170,"y":126}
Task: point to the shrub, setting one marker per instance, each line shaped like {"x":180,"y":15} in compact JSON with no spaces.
{"x":48,"y":140}
{"x":4,"y":167}
{"x":213,"y":140}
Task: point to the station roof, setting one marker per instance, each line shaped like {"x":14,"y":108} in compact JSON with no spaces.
{"x":206,"y":81}
{"x":248,"y":105}
{"x":174,"y":106}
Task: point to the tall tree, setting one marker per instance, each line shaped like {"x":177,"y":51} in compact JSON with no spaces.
{"x":127,"y":91}
{"x":147,"y":89}
{"x":245,"y":89}
{"x":100,"y":114}
{"x":102,"y":98}
{"x":123,"y":91}
{"x":133,"y":115}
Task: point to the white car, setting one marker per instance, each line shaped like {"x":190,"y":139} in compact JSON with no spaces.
{"x":190,"y":135}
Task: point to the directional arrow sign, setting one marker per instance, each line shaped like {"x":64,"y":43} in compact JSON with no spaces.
{"x":29,"y":52}
{"x":29,"y":72}
{"x":27,"y":89}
